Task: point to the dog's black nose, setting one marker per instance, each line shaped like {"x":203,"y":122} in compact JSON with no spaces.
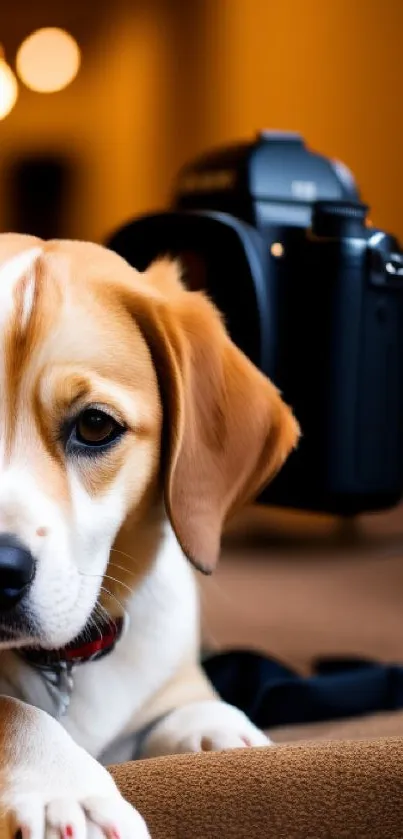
{"x":17,"y":568}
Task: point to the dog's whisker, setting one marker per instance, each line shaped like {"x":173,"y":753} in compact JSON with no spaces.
{"x":110,"y":593}
{"x":122,"y":553}
{"x":122,"y":568}
{"x":100,"y":612}
{"x":108,"y":577}
{"x":105,"y":613}
{"x":119,"y":582}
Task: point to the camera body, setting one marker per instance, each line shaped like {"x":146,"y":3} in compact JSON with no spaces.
{"x":279,"y":238}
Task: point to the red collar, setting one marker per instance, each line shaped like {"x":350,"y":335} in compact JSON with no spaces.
{"x":93,"y":643}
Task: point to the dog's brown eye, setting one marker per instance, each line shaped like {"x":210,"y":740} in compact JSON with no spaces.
{"x":94,"y":428}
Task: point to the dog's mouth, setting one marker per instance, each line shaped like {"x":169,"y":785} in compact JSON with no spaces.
{"x":94,"y":641}
{"x":97,"y":637}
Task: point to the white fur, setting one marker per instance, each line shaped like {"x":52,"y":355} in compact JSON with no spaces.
{"x":28,"y":300}
{"x":11,"y":272}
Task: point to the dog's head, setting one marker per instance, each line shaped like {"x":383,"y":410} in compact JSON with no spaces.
{"x":117,"y":390}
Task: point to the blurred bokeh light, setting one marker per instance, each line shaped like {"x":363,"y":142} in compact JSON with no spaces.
{"x":8,"y":88}
{"x":48,"y":60}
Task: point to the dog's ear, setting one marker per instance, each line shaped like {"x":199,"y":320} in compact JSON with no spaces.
{"x":227,"y":430}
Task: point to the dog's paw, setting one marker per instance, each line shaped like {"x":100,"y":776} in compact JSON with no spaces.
{"x":70,"y":818}
{"x":53,"y":789}
{"x":203,"y":726}
{"x":219,"y":739}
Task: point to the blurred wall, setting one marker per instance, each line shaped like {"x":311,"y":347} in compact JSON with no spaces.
{"x":331,"y":70}
{"x":163,"y":79}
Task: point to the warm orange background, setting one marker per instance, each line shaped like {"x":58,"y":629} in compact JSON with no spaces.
{"x":163,"y":79}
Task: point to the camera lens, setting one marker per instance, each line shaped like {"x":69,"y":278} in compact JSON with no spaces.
{"x":339,"y":219}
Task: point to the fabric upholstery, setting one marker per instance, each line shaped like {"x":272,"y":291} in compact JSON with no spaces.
{"x":332,"y":790}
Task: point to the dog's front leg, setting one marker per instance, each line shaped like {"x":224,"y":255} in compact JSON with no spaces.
{"x":50,"y":788}
{"x":200,"y":721}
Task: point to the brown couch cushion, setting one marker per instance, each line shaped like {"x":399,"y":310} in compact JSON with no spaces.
{"x":334,"y":790}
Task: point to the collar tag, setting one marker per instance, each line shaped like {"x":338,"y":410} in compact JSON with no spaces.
{"x":57,"y":666}
{"x":59,"y":683}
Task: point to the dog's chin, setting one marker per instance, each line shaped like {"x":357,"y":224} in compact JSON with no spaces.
{"x":64,"y":637}
{"x":23,"y":632}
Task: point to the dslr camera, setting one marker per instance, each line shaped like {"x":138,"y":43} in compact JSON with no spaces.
{"x":278,"y":237}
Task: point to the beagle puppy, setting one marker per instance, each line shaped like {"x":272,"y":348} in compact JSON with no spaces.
{"x":131,"y":428}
